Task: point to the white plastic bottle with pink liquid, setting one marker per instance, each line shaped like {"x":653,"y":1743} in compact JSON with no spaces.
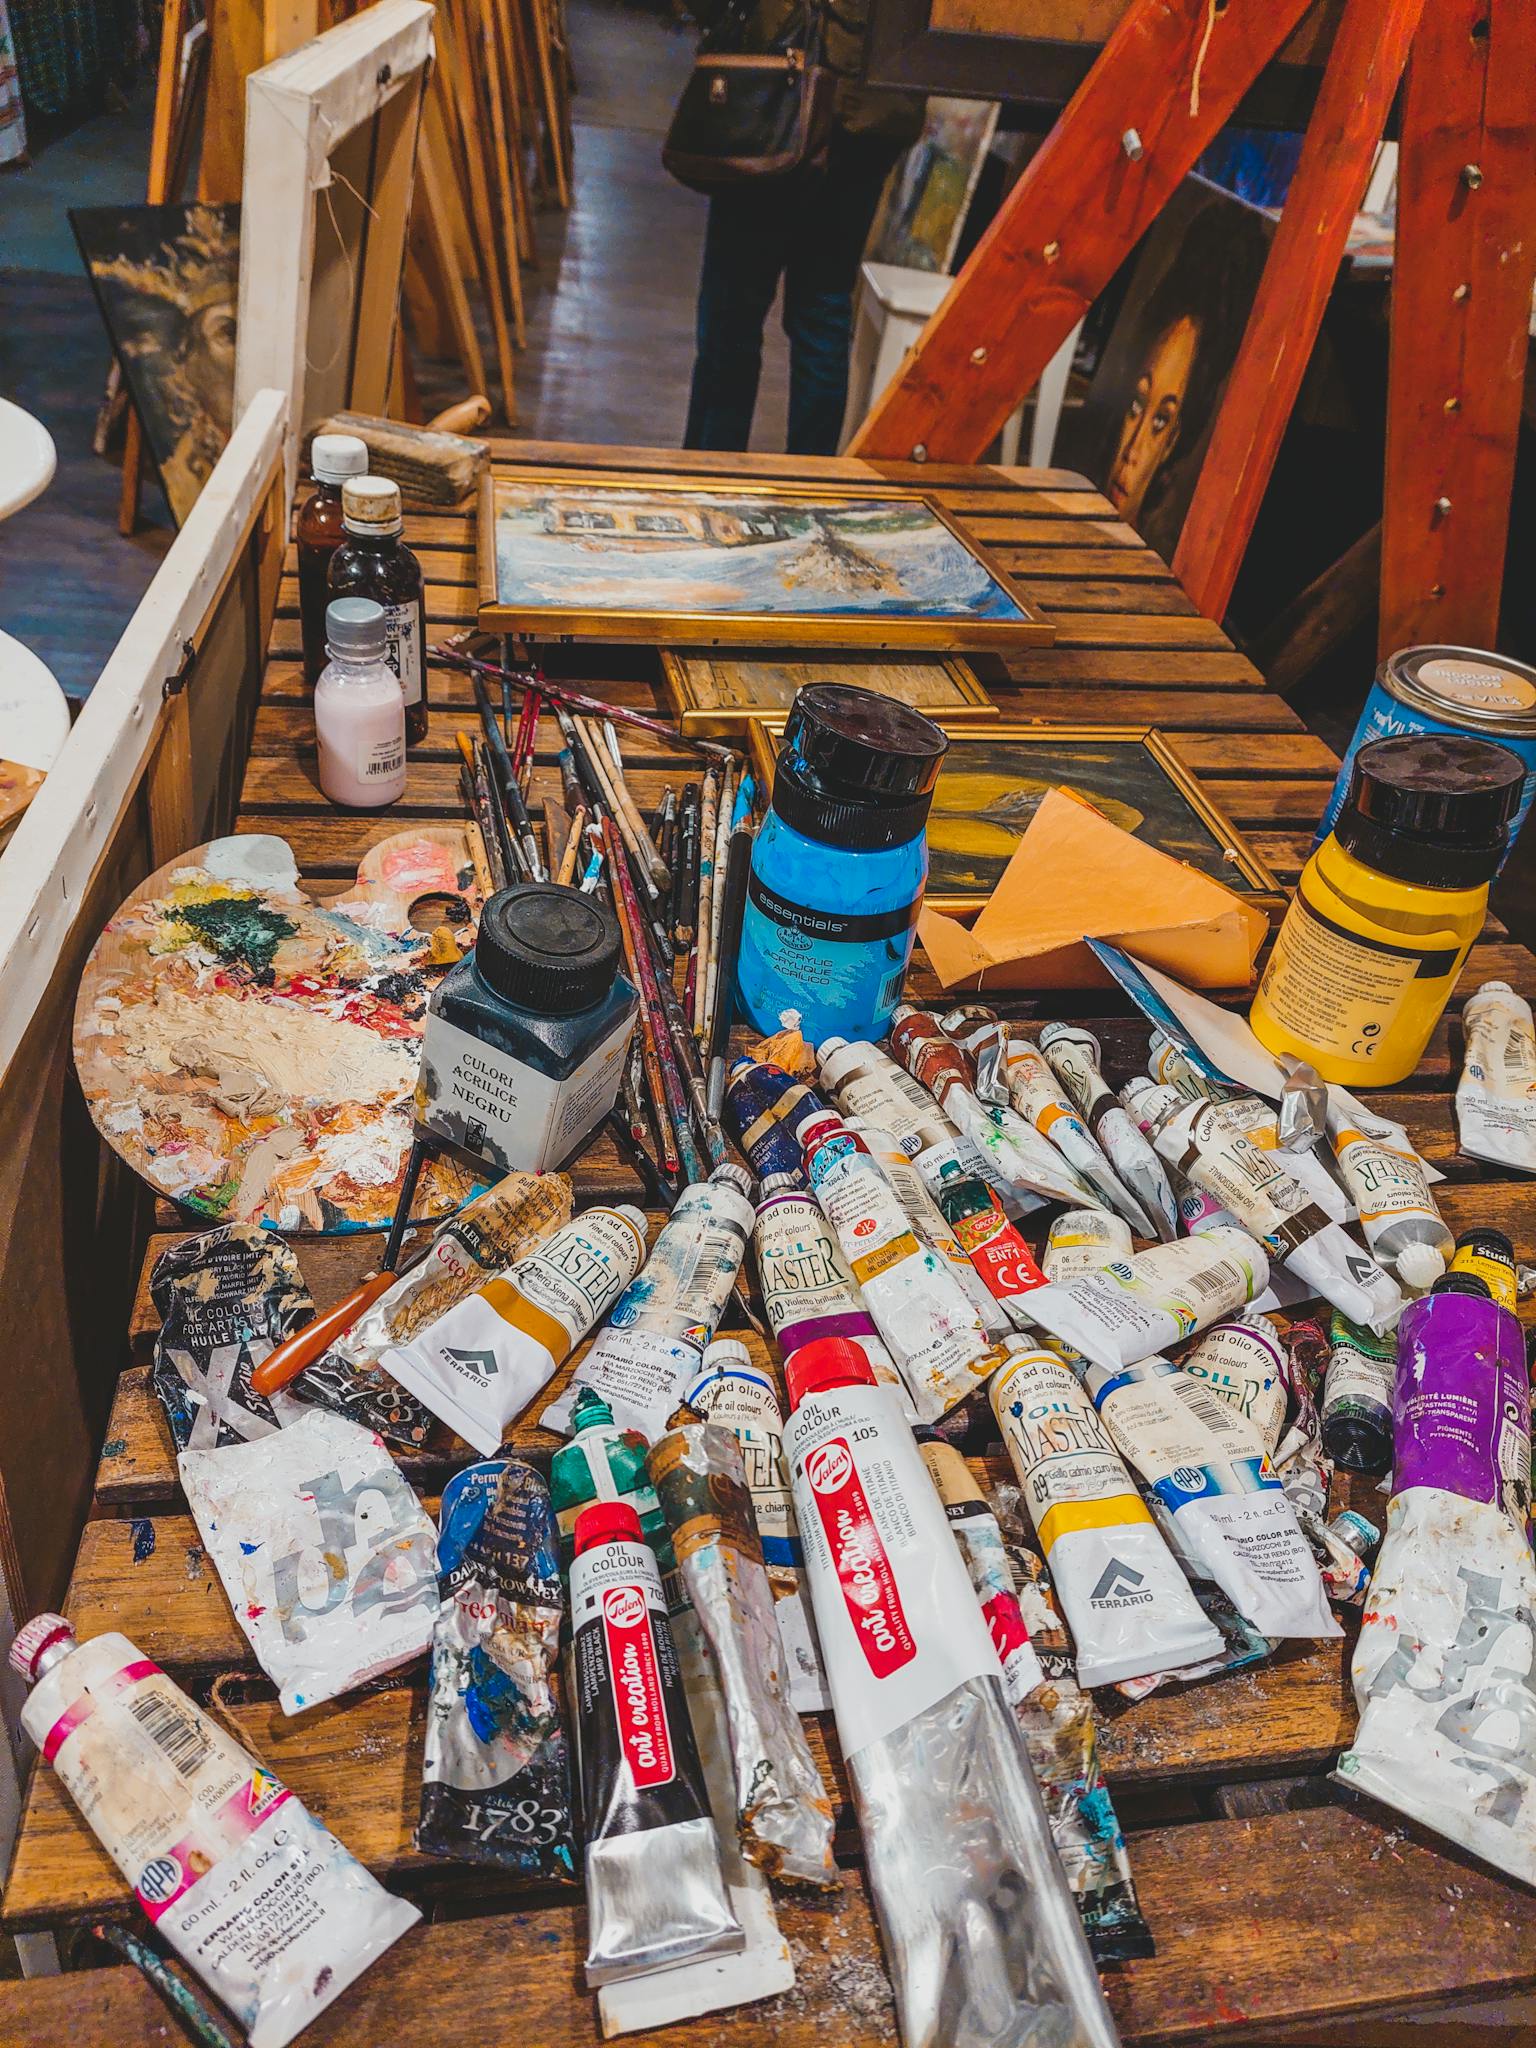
{"x":359,"y":709}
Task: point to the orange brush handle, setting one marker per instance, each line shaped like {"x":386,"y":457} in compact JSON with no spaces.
{"x":306,"y":1345}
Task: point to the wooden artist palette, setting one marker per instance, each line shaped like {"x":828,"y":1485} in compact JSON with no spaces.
{"x":251,"y":1051}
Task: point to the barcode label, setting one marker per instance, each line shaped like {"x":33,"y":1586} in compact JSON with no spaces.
{"x":1205,"y":1406}
{"x":178,"y":1734}
{"x":1212,"y":1282}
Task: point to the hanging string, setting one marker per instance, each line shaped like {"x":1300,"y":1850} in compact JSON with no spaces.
{"x":1212,"y":9}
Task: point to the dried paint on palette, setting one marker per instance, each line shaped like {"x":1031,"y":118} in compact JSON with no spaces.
{"x":253,"y":1053}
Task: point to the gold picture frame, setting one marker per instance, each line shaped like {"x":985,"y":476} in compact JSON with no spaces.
{"x":716,"y":695}
{"x":951,"y":592}
{"x":1116,"y":764}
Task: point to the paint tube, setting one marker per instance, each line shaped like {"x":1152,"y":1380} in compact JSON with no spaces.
{"x":929,"y":1222}
{"x":226,"y":1298}
{"x":1386,"y":1180}
{"x":1037,"y":1096}
{"x":762,"y":1106}
{"x":1299,"y":1462}
{"x":1270,"y":1203}
{"x":1346,"y":1548}
{"x":1147,"y":1103}
{"x":1017,"y":1149}
{"x":1496,"y":1094}
{"x":490,"y":1233}
{"x":1074,"y":1057}
{"x":479,"y":1366}
{"x":783,"y":1814}
{"x":1208,"y":1470}
{"x":930,"y":1326}
{"x":1356,"y":1426}
{"x":999,"y":1255}
{"x":981,"y":1937}
{"x":327,"y":1556}
{"x":807,"y":1288}
{"x":982,"y":1036}
{"x":261,"y":1901}
{"x":655,"y":1893}
{"x":1171,"y":1066}
{"x":654,"y":1338}
{"x":1243,"y":1362}
{"x":1082,"y":1240}
{"x":601,"y":1461}
{"x":1134,"y":1307}
{"x":981,"y":1545}
{"x":1310,"y":1164}
{"x":728,"y":1389}
{"x":496,"y":1782}
{"x":1442,"y":1669}
{"x":1128,"y":1604}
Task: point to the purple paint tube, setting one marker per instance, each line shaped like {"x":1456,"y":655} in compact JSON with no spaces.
{"x":1461,"y":1408}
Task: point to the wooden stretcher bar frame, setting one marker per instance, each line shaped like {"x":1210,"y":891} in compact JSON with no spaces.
{"x":725,"y":721}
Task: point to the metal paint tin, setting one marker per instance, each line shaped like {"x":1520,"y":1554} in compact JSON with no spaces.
{"x":1447,"y":690}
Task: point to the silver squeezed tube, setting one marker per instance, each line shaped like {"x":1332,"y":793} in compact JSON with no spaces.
{"x":1074,"y":1058}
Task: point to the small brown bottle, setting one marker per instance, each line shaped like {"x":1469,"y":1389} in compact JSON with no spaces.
{"x":373,"y":561}
{"x":333,"y":458}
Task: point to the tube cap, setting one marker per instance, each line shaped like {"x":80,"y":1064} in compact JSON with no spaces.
{"x":856,"y":769}
{"x":1463,"y":1283}
{"x":33,"y":1637}
{"x":335,"y":457}
{"x":371,"y":504}
{"x":1432,"y":808}
{"x":1419,"y":1266}
{"x":606,"y":1521}
{"x":548,"y":948}
{"x":825,"y":1363}
{"x":355,"y":626}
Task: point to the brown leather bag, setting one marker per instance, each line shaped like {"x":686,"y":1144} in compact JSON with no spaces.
{"x":754,"y":106}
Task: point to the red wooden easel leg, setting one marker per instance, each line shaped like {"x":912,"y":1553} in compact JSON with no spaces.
{"x":1461,"y":301}
{"x":1103,"y":174}
{"x":1364,"y":66}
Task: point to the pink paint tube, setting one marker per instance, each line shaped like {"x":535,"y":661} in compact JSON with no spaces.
{"x":982,"y":1939}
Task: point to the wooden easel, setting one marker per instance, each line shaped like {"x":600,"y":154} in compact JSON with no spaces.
{"x":1464,"y":267}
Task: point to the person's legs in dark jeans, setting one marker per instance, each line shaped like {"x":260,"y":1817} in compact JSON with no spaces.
{"x":832,"y":224}
{"x":745,"y":246}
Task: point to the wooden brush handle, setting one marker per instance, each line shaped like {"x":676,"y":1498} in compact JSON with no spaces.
{"x":306,"y":1345}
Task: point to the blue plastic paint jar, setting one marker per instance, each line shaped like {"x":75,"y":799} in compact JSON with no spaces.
{"x":839,"y":865}
{"x":1444,"y":690}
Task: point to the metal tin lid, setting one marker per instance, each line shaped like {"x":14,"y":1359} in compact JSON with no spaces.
{"x":335,"y":457}
{"x":1465,"y":686}
{"x":548,"y":948}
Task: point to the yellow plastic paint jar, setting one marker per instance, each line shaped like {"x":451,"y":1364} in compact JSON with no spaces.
{"x":1387,"y":907}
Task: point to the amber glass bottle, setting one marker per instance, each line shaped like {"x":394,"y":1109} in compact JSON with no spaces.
{"x":332,"y":459}
{"x":373,"y":561}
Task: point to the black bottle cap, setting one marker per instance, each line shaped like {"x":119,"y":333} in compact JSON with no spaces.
{"x":547,"y":948}
{"x":856,"y":768}
{"x":1484,"y":1238}
{"x":1432,"y":808}
{"x":1462,"y":1283}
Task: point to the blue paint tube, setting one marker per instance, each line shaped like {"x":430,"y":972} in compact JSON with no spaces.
{"x":763,"y":1105}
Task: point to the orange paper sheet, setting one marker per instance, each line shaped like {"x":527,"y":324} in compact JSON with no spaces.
{"x":1073,"y":876}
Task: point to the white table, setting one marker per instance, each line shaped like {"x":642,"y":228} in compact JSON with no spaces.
{"x":34,"y":712}
{"x":27,"y":458}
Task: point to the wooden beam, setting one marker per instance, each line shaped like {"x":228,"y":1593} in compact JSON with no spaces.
{"x":1363,"y":70}
{"x":236,"y":36}
{"x":1334,"y":604}
{"x":1461,"y":301}
{"x":1171,"y":75}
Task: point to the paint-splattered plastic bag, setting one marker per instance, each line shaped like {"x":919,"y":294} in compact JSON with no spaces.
{"x":328,"y":1558}
{"x":226,"y":1298}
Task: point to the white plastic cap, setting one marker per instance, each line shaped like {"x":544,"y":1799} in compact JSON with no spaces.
{"x":1419,"y":1266}
{"x":35,"y":1636}
{"x":335,"y":457}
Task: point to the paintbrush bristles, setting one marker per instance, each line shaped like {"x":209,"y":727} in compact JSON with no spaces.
{"x":700,"y":968}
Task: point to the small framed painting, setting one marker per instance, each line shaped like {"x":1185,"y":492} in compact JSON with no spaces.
{"x":721,"y":695}
{"x":995,"y":775}
{"x":568,"y":556}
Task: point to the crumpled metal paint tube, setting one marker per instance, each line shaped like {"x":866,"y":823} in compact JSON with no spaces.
{"x":783,"y":1814}
{"x":981,"y":1935}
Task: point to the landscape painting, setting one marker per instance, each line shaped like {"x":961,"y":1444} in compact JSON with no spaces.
{"x":567,"y":557}
{"x":923,"y":209}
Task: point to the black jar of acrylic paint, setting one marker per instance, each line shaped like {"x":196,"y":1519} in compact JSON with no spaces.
{"x":526,"y":1036}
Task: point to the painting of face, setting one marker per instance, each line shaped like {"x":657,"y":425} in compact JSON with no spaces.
{"x":167,"y":281}
{"x":1150,"y":433}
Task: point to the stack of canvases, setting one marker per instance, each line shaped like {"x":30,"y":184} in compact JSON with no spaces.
{"x":495,"y":140}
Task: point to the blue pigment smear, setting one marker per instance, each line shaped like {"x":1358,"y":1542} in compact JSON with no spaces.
{"x":114,"y":1447}
{"x":143,"y":1538}
{"x":249,"y":1549}
{"x":241,"y":930}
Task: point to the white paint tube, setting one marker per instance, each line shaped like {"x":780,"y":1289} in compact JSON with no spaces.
{"x":655,"y":1335}
{"x":1172,"y":1067}
{"x":1127,"y":1603}
{"x":1496,"y":1094}
{"x":1242,"y":1361}
{"x":806,"y":1285}
{"x":1082,"y":1240}
{"x":1074,"y":1058}
{"x":1149,"y":1103}
{"x":1134,"y":1307}
{"x":1386,"y":1179}
{"x":1311,"y":1165}
{"x":1036,"y":1094}
{"x":981,"y":1936}
{"x":929,"y":1323}
{"x":1273,"y":1205}
{"x":1211,"y":1475}
{"x":928,"y":1220}
{"x":478,"y":1366}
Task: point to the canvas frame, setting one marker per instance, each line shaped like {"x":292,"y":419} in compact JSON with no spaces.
{"x":787,"y":629}
{"x":331,"y":137}
{"x":1264,"y":888}
{"x":729,"y":721}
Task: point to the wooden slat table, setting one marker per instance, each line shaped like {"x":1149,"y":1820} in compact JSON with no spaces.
{"x":1294,"y":1919}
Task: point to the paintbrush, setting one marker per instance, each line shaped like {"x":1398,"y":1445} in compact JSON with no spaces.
{"x":738,"y":861}
{"x":632,"y":827}
{"x":661,"y":1189}
{"x":571,"y":851}
{"x":622,"y":886}
{"x":698,"y":967}
{"x":632,"y":937}
{"x":577,"y":700}
{"x":520,"y":826}
{"x":723,"y":815}
{"x":482,"y":810}
{"x":685,"y":861}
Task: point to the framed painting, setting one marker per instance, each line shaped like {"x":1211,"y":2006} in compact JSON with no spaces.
{"x":719,"y":695}
{"x":994,"y":777}
{"x":166,"y":280}
{"x":923,"y":208}
{"x":570,"y":556}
